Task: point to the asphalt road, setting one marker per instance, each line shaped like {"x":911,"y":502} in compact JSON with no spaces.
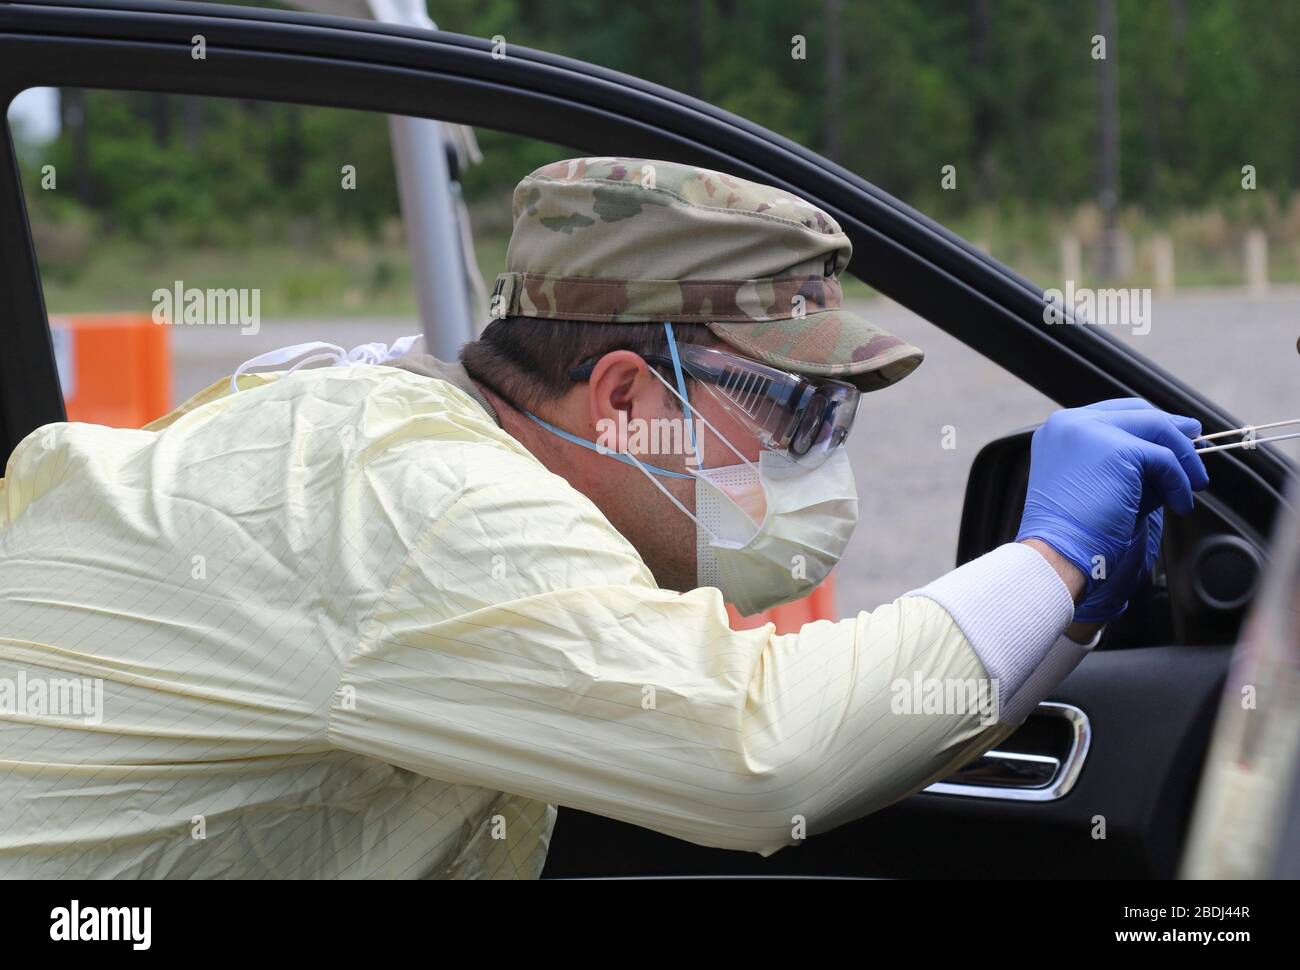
{"x":1239,"y":352}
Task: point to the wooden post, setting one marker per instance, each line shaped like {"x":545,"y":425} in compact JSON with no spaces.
{"x":1071,"y":259}
{"x":1256,"y":262}
{"x":1162,"y":263}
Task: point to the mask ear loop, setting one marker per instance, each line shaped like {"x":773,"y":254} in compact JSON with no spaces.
{"x":623,"y":456}
{"x":692,"y":416}
{"x":671,"y":497}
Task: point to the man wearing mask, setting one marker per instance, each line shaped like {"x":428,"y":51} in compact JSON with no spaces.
{"x":379,"y":619}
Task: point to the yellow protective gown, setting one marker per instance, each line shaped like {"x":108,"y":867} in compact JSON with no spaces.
{"x":343,"y":625}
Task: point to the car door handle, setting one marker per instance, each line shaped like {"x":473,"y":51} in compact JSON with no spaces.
{"x":1059,"y":738}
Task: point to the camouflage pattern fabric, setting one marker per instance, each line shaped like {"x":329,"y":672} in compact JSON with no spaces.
{"x":623,"y":240}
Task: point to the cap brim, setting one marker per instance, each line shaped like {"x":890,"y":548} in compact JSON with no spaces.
{"x":826,"y":343}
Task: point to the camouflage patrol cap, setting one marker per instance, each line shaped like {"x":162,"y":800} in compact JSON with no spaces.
{"x":629,"y":240}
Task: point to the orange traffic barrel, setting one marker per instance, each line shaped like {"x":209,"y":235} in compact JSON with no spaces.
{"x":115,"y":368}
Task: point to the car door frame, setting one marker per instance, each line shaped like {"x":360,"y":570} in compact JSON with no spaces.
{"x":316,"y":60}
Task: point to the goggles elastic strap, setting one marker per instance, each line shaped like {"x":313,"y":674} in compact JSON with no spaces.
{"x":681,"y":387}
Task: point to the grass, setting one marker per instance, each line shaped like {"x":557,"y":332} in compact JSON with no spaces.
{"x":354,"y":276}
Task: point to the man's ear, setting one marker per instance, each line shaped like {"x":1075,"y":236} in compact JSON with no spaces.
{"x":621,"y":381}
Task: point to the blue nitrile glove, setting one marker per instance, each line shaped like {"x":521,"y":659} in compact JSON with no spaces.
{"x":1110,"y":597}
{"x":1095,"y":471}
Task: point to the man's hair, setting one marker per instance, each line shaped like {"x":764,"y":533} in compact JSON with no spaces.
{"x":526,"y":360}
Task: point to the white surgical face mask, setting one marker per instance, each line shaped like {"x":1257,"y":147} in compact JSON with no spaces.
{"x":765,"y":535}
{"x":808,"y":518}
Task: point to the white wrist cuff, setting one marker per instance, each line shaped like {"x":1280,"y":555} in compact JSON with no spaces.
{"x":1013,"y":608}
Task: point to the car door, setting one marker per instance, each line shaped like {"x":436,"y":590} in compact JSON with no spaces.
{"x":1119,"y":752}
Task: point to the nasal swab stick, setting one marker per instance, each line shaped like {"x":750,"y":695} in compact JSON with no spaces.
{"x":1249,"y":442}
{"x":1249,"y":427}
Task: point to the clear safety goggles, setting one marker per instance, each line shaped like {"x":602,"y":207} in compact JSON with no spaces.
{"x":787,"y":412}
